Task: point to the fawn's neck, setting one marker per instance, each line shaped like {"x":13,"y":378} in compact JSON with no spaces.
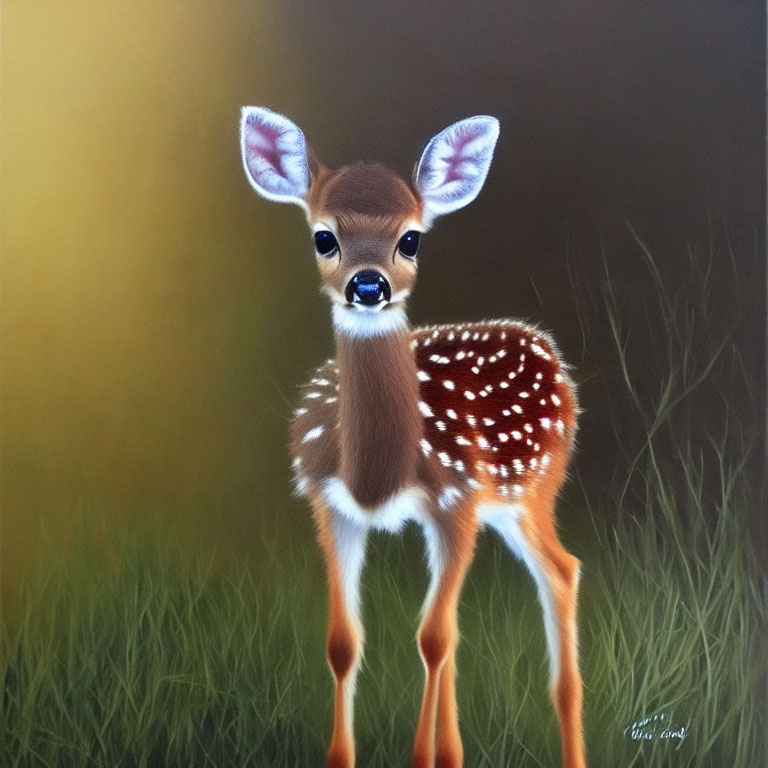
{"x":379,"y":419}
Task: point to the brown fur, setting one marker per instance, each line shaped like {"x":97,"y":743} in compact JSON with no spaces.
{"x":379,"y":421}
{"x":369,"y":189}
{"x":359,"y":420}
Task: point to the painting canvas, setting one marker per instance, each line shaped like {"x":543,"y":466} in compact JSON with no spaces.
{"x":163,"y":598}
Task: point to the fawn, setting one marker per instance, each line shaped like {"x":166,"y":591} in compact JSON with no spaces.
{"x":451,"y":426}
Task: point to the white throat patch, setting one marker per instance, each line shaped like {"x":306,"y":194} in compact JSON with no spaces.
{"x":362,"y":323}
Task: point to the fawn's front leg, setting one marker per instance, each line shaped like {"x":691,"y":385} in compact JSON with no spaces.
{"x":343,"y":546}
{"x":450,"y":548}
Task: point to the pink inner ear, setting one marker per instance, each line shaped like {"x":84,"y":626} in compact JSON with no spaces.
{"x":261,"y":144}
{"x":456,"y":157}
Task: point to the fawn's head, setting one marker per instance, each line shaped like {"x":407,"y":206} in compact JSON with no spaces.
{"x":365,"y":220}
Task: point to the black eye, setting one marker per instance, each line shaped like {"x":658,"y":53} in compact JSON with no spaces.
{"x":325,"y":243}
{"x":409,"y":244}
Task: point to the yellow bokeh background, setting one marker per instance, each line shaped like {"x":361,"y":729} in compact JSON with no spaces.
{"x":135,"y":317}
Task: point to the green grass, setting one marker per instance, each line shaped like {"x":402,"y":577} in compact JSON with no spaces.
{"x":141,"y":656}
{"x":159,"y":660}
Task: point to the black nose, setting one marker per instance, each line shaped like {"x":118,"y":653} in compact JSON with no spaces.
{"x":368,"y":287}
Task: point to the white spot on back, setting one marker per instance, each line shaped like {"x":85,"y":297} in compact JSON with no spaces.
{"x":448,"y":497}
{"x":425,"y":410}
{"x":312,"y":434}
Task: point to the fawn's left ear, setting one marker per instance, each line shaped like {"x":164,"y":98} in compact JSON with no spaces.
{"x":454,"y":165}
{"x":274,"y":156}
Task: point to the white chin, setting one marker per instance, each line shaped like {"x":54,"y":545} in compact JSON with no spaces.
{"x":368,"y":308}
{"x":369,"y":321}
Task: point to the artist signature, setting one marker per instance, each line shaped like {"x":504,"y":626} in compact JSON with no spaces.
{"x":658,"y":726}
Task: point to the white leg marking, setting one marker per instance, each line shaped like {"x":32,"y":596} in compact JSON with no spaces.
{"x":435,"y":560}
{"x":503,"y":519}
{"x":350,"y":547}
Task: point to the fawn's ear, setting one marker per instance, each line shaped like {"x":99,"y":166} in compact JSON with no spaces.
{"x":274,"y":156}
{"x":454,"y":165}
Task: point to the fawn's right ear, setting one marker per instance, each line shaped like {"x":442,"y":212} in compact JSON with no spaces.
{"x":274,"y":156}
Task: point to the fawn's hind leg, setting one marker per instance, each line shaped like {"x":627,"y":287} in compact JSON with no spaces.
{"x":530,"y":533}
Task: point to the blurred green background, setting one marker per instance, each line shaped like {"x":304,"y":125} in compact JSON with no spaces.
{"x":157,"y":316}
